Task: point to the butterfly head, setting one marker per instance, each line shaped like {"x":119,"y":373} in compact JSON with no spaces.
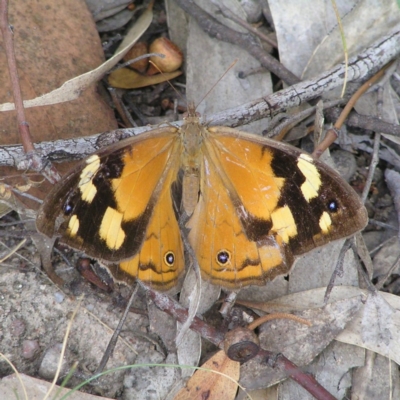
{"x":191,"y":115}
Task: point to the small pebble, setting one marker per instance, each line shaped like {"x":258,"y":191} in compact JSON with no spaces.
{"x":17,"y":286}
{"x":48,"y":366}
{"x":59,"y":297}
{"x":30,"y":349}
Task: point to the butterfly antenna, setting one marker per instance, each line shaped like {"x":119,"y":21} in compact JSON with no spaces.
{"x":216,"y":83}
{"x":169,"y":83}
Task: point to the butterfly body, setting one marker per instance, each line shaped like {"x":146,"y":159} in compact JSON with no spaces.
{"x":251,"y":205}
{"x":193,"y":137}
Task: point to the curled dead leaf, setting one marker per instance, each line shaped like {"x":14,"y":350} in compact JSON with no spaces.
{"x":126,"y":78}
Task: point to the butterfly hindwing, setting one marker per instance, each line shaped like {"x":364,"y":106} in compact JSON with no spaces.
{"x":160,"y":260}
{"x":225,"y":253}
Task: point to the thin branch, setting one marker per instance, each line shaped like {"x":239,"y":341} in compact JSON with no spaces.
{"x":121,"y":109}
{"x":113,"y":341}
{"x":8,"y":36}
{"x":32,"y":159}
{"x":367,"y":122}
{"x":279,"y":315}
{"x":307,"y":381}
{"x":332,"y":133}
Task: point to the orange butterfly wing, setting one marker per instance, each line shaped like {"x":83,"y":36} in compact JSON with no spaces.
{"x":160,"y":260}
{"x":261,"y":204}
{"x":116,"y":206}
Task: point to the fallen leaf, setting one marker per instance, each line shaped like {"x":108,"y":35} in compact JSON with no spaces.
{"x":218,"y":382}
{"x":376,"y":326}
{"x":301,"y":343}
{"x":125,"y":78}
{"x":11,"y":388}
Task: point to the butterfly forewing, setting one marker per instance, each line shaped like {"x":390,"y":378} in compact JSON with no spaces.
{"x":105,"y":206}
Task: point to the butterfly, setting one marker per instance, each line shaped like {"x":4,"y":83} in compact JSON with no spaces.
{"x":250,"y":205}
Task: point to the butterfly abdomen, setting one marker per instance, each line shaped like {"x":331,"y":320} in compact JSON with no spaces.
{"x":190,"y":191}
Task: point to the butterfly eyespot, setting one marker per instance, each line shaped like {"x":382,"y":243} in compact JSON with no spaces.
{"x":333,"y":206}
{"x":70,"y":203}
{"x":67,"y":208}
{"x":169,"y":258}
{"x":223,"y":257}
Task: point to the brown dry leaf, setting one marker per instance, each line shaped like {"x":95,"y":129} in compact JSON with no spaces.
{"x":126,"y":78}
{"x":301,"y":343}
{"x":53,"y":43}
{"x":213,"y":386}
